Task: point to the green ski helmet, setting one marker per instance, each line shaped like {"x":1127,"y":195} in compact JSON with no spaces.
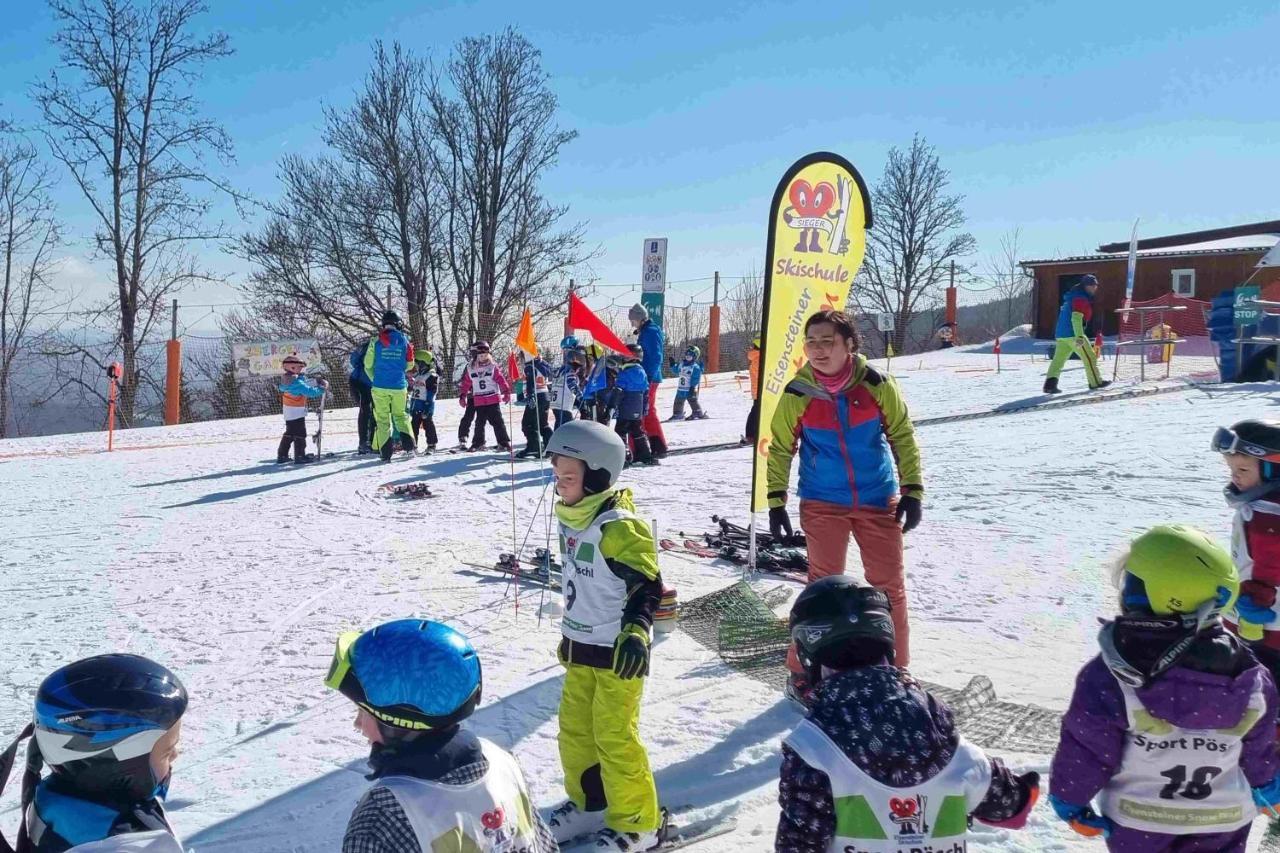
{"x":1177,"y":569}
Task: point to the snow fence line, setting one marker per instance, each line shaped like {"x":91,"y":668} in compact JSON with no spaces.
{"x":1082,"y":398}
{"x":740,"y":626}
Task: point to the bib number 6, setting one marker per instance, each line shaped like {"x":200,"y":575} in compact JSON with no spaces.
{"x":1197,"y":788}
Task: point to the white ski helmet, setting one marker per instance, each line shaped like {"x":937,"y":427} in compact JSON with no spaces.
{"x":600,"y":449}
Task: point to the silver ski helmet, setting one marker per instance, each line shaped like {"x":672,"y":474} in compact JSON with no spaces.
{"x":599,"y":448}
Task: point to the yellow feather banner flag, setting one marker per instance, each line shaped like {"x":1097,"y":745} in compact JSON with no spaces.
{"x":524,"y":337}
{"x":817,"y":236}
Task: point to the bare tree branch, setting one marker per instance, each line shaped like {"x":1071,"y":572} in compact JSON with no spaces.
{"x":916,"y":236}
{"x":126,"y":128}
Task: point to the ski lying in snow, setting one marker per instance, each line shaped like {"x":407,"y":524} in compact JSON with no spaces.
{"x":697,"y":550}
{"x":410,"y":491}
{"x":508,"y":564}
{"x":676,"y":836}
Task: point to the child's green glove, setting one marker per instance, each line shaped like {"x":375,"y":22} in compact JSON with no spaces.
{"x":631,"y":652}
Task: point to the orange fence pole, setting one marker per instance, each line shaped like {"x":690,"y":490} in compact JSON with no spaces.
{"x":172,"y":381}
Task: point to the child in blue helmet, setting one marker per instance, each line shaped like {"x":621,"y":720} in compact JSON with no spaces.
{"x":690,"y":373}
{"x":630,"y":403}
{"x":108,"y":728}
{"x":566,"y":383}
{"x":436,"y":784}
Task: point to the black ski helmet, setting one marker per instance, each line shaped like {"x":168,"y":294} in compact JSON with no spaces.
{"x":391,"y":320}
{"x":637,"y":351}
{"x":1253,"y":437}
{"x":838,"y":624}
{"x":97,"y":720}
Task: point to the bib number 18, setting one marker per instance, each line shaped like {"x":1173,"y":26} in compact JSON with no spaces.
{"x":1199,"y":787}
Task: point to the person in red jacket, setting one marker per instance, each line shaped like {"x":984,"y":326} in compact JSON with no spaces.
{"x":1251,"y":450}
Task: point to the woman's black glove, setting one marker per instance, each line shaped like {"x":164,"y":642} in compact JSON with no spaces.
{"x":779,"y":522}
{"x":908,"y":508}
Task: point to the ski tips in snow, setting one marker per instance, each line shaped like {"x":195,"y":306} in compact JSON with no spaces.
{"x":411,"y":491}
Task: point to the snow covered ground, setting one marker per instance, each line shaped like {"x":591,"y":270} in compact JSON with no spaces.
{"x":240,"y":575}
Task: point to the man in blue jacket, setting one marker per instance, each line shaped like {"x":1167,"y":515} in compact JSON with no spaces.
{"x":1073,"y":316}
{"x":361,"y":393}
{"x":385,"y":363}
{"x":649,"y":337}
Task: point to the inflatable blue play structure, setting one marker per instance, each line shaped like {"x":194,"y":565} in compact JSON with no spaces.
{"x":1249,"y":362}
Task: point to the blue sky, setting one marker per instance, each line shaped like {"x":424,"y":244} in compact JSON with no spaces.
{"x":1067,"y":120}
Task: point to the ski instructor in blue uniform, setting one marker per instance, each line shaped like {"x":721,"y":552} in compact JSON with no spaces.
{"x":1073,"y":316}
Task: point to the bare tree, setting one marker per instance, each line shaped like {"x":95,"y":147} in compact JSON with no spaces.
{"x":1008,"y":281}
{"x":431,"y":190}
{"x":28,"y":237}
{"x":493,"y":114}
{"x":745,"y":303}
{"x":915,"y":238}
{"x":123,"y":122}
{"x":361,"y":222}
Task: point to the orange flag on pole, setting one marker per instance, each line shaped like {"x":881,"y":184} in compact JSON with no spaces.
{"x":524,"y":337}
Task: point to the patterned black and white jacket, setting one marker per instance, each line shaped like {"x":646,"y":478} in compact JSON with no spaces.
{"x":895,"y":732}
{"x":451,"y":757}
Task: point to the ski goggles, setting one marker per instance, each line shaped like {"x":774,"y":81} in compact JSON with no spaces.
{"x":1227,"y":441}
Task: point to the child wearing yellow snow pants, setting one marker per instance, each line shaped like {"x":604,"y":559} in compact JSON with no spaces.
{"x":611,"y":589}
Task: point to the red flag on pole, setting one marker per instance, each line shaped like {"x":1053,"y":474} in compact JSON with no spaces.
{"x":582,"y":317}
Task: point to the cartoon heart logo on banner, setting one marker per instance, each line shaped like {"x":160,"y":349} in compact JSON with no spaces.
{"x":809,"y":200}
{"x":902,"y":808}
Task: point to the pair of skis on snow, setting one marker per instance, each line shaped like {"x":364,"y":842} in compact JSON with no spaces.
{"x":766,"y":560}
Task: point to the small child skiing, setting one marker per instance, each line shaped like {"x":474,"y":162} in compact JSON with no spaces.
{"x":690,"y":372}
{"x":436,"y":785}
{"x":1251,"y":449}
{"x":1173,"y":725}
{"x":631,"y":403}
{"x":464,"y":400}
{"x":879,"y":744}
{"x":422,"y":409}
{"x":485,"y":388}
{"x":566,"y":384}
{"x":295,"y":391}
{"x":597,"y":392}
{"x":608,"y":616}
{"x":108,"y":728}
{"x":537,"y":406}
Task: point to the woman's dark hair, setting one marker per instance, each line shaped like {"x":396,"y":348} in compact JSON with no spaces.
{"x":839,"y":319}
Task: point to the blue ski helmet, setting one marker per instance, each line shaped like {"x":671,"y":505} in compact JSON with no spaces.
{"x":569,"y":342}
{"x":97,"y":720}
{"x":411,"y":674}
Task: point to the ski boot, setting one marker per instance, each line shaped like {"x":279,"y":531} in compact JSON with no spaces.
{"x":364,"y":448}
{"x":627,"y":842}
{"x":1102,"y":383}
{"x":388,"y":447}
{"x":406,"y":443}
{"x":304,"y":459}
{"x":567,"y":822}
{"x":431,"y":448}
{"x":477,"y":448}
{"x":1051,"y":386}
